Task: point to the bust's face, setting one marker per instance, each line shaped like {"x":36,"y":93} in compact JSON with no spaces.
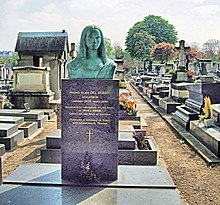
{"x":93,"y":39}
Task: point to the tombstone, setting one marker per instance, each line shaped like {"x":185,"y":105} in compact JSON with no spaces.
{"x":181,"y":71}
{"x":32,"y":86}
{"x":89,"y":129}
{"x":120,"y":72}
{"x":203,"y":69}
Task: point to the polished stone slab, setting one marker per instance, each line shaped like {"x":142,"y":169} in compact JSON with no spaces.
{"x":209,"y":136}
{"x":7,"y":129}
{"x":43,"y":195}
{"x":12,"y":140}
{"x":89,"y":128}
{"x":128,"y":176}
{"x":32,"y":114}
{"x":11,"y":119}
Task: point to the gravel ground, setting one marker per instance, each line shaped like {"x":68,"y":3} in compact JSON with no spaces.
{"x":197,"y":183}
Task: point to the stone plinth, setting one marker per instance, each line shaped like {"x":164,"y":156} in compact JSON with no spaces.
{"x":32,"y":86}
{"x":89,"y":128}
{"x":179,"y":91}
{"x":40,"y":100}
{"x":210,"y":137}
{"x":31,"y":79}
{"x":197,"y":93}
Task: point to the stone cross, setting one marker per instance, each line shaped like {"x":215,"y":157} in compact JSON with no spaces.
{"x":182,"y":55}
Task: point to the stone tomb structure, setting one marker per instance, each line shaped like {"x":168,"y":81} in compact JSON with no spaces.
{"x":45,"y":49}
{"x":89,"y":130}
{"x":32,"y":86}
{"x":193,"y":105}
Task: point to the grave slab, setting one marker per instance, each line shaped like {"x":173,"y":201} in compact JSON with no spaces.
{"x":32,"y":114}
{"x":7,"y":129}
{"x":13,"y":120}
{"x":35,"y":195}
{"x":53,"y":139}
{"x":210,"y":137}
{"x":41,"y":121}
{"x":28,"y":129}
{"x":216,"y":113}
{"x":135,"y":176}
{"x":12,"y":140}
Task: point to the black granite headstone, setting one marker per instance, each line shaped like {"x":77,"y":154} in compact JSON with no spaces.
{"x":89,"y":130}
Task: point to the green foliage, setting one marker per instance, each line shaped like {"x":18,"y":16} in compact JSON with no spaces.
{"x":109,"y":48}
{"x":163,"y":52}
{"x":141,"y":45}
{"x":152,"y":27}
{"x":119,"y":52}
{"x":161,"y":29}
{"x":10,"y":60}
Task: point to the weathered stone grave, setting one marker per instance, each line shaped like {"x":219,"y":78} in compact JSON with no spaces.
{"x":32,"y":86}
{"x":11,"y":120}
{"x":33,"y":116}
{"x":10,"y":136}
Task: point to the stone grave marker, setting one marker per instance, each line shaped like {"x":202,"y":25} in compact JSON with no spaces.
{"x":89,"y":130}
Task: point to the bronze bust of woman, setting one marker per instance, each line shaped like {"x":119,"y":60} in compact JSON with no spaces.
{"x":91,"y":61}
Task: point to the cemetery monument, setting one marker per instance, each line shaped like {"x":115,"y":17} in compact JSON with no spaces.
{"x":90,"y":113}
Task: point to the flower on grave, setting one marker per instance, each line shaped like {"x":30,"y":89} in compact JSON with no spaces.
{"x":8,"y":104}
{"x":122,"y":85}
{"x":141,"y":140}
{"x":207,"y":110}
{"x":127,"y":103}
{"x":190,"y":73}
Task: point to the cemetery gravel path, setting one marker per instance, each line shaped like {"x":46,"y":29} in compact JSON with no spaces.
{"x":197,"y":183}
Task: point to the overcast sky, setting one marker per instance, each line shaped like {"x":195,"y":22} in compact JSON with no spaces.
{"x":194,"y":20}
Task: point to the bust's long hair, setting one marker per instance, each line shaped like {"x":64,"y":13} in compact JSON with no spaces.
{"x":83,"y":48}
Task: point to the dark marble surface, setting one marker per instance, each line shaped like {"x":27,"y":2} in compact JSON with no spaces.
{"x":35,"y":195}
{"x":197,"y":92}
{"x":128,"y":176}
{"x":89,"y":128}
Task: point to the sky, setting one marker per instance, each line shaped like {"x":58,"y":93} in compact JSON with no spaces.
{"x":194,"y":20}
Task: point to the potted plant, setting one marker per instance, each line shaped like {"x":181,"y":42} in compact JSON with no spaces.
{"x":207,"y":116}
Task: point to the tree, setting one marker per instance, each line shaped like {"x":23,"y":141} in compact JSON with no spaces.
{"x":109,"y":49}
{"x":163,"y":52}
{"x":161,"y":29}
{"x":10,"y":60}
{"x":119,"y":52}
{"x":210,"y":48}
{"x":157,"y":29}
{"x":194,"y":54}
{"x":141,"y":46}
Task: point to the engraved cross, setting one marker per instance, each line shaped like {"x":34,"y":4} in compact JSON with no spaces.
{"x":89,"y":133}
